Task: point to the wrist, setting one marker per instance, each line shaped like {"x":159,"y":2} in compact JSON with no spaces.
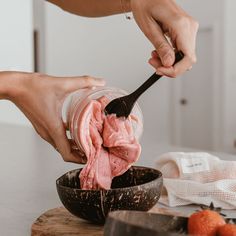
{"x":126,"y":8}
{"x":12,"y":84}
{"x":127,"y":5}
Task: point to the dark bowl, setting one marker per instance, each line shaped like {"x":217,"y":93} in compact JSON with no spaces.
{"x":138,"y":223}
{"x":137,"y":189}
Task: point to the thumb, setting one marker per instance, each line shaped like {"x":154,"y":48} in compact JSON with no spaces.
{"x":74,"y":83}
{"x":63,"y":146}
{"x":164,"y":49}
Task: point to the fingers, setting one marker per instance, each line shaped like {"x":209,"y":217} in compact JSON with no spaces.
{"x":88,"y":81}
{"x":164,"y":49}
{"x":75,"y":148}
{"x":72,"y":84}
{"x":186,"y":42}
{"x":64,"y":148}
{"x":176,"y":70}
{"x":155,"y":61}
{"x":78,"y":155}
{"x":173,"y":71}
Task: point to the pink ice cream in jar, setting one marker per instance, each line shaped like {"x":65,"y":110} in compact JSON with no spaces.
{"x":110,"y":144}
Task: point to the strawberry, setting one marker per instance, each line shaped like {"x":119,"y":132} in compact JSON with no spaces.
{"x":227,"y":230}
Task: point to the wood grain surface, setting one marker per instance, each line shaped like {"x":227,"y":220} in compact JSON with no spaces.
{"x":59,"y":222}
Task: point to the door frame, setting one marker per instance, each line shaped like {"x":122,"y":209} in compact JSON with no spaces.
{"x":218,"y":86}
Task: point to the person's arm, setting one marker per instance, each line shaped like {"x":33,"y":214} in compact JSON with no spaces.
{"x":8,"y":85}
{"x":93,"y":8}
{"x":40,"y":98}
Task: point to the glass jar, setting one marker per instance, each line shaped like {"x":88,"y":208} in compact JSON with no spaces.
{"x":76,"y":102}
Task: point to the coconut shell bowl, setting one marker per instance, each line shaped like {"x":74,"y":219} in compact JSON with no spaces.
{"x":137,"y":189}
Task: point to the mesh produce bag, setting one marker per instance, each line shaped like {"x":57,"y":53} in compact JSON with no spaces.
{"x":199,"y":178}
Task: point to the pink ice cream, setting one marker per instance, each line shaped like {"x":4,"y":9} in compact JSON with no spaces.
{"x":109,"y":145}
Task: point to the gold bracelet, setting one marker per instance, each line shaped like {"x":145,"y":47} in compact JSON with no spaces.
{"x":123,"y":6}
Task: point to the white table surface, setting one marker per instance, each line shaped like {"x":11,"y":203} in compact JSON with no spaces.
{"x":29,"y":168}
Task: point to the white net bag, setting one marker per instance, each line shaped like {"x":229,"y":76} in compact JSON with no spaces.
{"x":199,"y":178}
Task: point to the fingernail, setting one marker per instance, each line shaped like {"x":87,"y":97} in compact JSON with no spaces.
{"x":154,"y":54}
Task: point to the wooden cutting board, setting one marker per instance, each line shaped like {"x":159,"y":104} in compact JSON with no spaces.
{"x":59,"y":222}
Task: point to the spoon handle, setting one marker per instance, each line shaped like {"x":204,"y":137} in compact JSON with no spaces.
{"x":148,"y":83}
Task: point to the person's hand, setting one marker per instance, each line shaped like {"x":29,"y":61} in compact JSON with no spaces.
{"x":160,"y":18}
{"x":40,"y":98}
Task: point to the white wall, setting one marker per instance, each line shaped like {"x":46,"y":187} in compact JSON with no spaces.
{"x":230,"y":77}
{"x":15,"y":48}
{"x":113,"y":48}
{"x":223,"y":18}
{"x":208,"y":73}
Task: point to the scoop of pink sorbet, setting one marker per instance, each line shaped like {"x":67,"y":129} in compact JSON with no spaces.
{"x":109,"y":145}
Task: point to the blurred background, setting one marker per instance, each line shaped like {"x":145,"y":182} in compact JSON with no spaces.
{"x":196,"y":110}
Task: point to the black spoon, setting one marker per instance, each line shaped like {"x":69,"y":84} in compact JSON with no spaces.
{"x":123,"y":106}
